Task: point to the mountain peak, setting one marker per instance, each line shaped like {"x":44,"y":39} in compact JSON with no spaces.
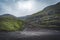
{"x":58,"y":3}
{"x":7,"y":15}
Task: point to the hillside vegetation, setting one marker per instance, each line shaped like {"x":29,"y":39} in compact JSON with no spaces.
{"x":10,"y":23}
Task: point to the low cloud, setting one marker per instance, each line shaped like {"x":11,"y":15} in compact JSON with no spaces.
{"x":10,"y":6}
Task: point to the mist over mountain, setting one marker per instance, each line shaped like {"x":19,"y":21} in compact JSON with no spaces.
{"x":24,"y":17}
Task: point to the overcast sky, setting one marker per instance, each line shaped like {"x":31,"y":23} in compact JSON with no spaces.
{"x":24,"y":7}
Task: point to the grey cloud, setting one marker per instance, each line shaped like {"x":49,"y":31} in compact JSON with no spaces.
{"x":9,"y":6}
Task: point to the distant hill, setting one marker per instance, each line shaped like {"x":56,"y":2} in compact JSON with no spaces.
{"x":49,"y":17}
{"x":10,"y":23}
{"x":24,"y":17}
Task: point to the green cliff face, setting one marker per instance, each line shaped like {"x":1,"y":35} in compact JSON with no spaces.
{"x":10,"y":23}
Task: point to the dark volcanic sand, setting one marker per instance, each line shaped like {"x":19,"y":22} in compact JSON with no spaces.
{"x":31,"y":35}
